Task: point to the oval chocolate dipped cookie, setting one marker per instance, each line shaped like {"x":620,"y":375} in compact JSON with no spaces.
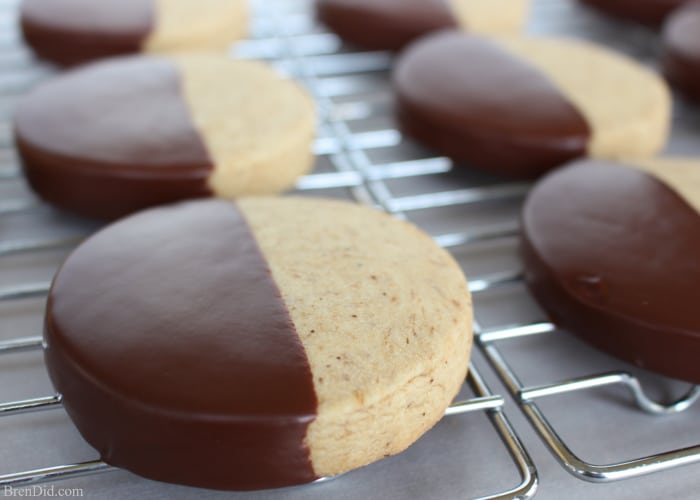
{"x":681,"y":50}
{"x":611,"y":252}
{"x":116,"y":136}
{"x":648,"y":12}
{"x":256,"y":344}
{"x":521,"y":106}
{"x":391,"y":24}
{"x":69,"y":32}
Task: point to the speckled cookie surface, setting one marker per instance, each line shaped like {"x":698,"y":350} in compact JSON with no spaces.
{"x":116,"y":136}
{"x":568,"y":101}
{"x":75,"y":31}
{"x":261,"y":343}
{"x":391,"y":24}
{"x":611,"y":253}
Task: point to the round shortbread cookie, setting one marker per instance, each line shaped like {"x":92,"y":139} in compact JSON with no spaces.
{"x":75,"y":31}
{"x":571,"y":99}
{"x":611,"y":253}
{"x":116,"y":136}
{"x":681,"y":50}
{"x":649,"y":12}
{"x":391,"y":24}
{"x":256,"y":344}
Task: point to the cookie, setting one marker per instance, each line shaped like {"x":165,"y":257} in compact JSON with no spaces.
{"x":611,"y":253}
{"x":571,"y":99}
{"x":256,"y":344}
{"x":681,"y":50}
{"x":391,"y":24}
{"x":70,"y":32}
{"x":116,"y":136}
{"x":649,"y":12}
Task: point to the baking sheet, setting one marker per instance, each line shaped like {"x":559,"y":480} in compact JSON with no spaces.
{"x":463,"y":456}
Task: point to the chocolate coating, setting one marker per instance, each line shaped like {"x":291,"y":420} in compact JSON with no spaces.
{"x":384,"y":24}
{"x":611,"y":253}
{"x":681,"y":56}
{"x":112,"y":138}
{"x":70,"y":32}
{"x":648,"y":12}
{"x":469,"y":99}
{"x":175,"y":354}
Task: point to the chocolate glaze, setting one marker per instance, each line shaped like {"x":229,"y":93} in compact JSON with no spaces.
{"x":384,"y":24}
{"x":70,"y":32}
{"x":649,"y":12}
{"x":681,"y":56}
{"x":469,"y":99}
{"x":112,"y":138}
{"x":175,"y":354}
{"x":612,"y":254}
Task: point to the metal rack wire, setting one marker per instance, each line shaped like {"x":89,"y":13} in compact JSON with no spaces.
{"x":637,"y":43}
{"x":526,"y":397}
{"x":286,"y":40}
{"x":483,"y":401}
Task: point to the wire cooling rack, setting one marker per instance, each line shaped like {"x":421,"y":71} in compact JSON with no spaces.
{"x":362,"y":156}
{"x":285,"y":38}
{"x":552,"y":17}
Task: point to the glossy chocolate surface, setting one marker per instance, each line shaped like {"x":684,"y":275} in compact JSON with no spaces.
{"x":70,"y":32}
{"x":613,"y":255}
{"x":681,"y":50}
{"x":468,"y":98}
{"x":175,"y":354}
{"x":111,"y":138}
{"x":649,"y":12}
{"x":384,"y":24}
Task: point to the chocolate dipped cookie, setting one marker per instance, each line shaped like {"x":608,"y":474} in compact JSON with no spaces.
{"x":681,"y":50}
{"x":391,"y":24}
{"x":521,"y":106}
{"x":69,"y":32}
{"x":611,"y":252}
{"x":648,"y":12}
{"x":120,"y":135}
{"x":256,"y":344}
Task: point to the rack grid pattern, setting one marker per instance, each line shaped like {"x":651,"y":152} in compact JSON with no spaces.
{"x":283,"y":42}
{"x":355,"y":133}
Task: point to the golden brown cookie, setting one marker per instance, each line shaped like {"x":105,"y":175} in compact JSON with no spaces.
{"x":648,"y":12}
{"x":533,"y":104}
{"x":75,"y":31}
{"x":256,"y":344}
{"x":681,"y":50}
{"x":611,"y":253}
{"x":116,"y":136}
{"x":391,"y":24}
